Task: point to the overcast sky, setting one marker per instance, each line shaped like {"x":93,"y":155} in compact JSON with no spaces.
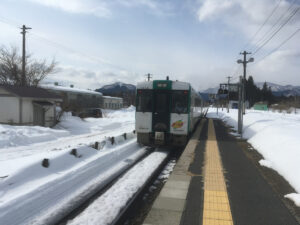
{"x":98,"y":42}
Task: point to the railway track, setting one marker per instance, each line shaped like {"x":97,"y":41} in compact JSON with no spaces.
{"x":126,"y":210}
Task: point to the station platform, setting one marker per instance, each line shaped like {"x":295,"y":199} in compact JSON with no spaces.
{"x":214,"y":183}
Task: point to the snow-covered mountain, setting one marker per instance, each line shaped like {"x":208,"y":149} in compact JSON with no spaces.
{"x":119,"y":85}
{"x":116,"y":88}
{"x":278,"y":90}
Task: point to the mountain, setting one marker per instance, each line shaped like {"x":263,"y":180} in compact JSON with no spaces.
{"x":119,"y":89}
{"x":211,"y":90}
{"x":281,"y":90}
{"x":116,"y":89}
{"x":277,"y":89}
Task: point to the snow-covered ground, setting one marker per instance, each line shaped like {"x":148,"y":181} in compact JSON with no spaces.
{"x":105,"y":209}
{"x":276,"y":137}
{"x":39,"y":194}
{"x":20,"y":146}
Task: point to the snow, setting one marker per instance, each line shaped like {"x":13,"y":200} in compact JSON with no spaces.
{"x":265,"y":163}
{"x":25,"y":135}
{"x":69,"y":89}
{"x":274,"y":135}
{"x":39,"y":194}
{"x":294,"y":197}
{"x":68,"y":183}
{"x":167,"y":170}
{"x":107,"y":207}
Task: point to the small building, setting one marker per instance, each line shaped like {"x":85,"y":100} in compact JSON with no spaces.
{"x":112,"y":102}
{"x":76,"y":99}
{"x":261,"y":106}
{"x":27,"y":106}
{"x":235,"y":104}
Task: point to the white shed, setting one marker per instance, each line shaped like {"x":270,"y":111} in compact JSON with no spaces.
{"x":27,"y":106}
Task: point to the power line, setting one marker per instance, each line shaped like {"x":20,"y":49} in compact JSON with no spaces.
{"x":282,"y":25}
{"x":59,"y":45}
{"x":279,"y":46}
{"x":264,"y":23}
{"x":277,"y":21}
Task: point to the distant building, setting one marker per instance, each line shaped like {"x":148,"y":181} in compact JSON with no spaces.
{"x":112,"y":102}
{"x":79,"y":100}
{"x":235,"y":104}
{"x":27,"y":106}
{"x":261,"y":106}
{"x":76,"y":99}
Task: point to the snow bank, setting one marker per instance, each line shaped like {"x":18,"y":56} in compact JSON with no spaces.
{"x":275,"y":136}
{"x":25,"y":135}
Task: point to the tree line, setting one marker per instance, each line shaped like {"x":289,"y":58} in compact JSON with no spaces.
{"x":253,"y":93}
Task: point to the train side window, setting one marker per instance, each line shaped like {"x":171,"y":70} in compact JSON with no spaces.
{"x":180,"y":102}
{"x":144,"y":101}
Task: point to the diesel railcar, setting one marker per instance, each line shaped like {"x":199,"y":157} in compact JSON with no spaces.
{"x":166,"y":112}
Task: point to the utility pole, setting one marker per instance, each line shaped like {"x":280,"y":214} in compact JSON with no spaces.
{"x":244,"y":62}
{"x":229,"y":77}
{"x":240,"y":111}
{"x":23,"y":80}
{"x":149,"y":76}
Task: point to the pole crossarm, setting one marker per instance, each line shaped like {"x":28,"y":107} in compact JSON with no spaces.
{"x":23,"y":32}
{"x":244,"y":62}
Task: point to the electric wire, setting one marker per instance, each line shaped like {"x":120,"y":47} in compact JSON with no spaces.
{"x":263,"y":24}
{"x":60,"y":46}
{"x":271,"y":37}
{"x":276,"y":31}
{"x":279,"y":46}
{"x":270,"y":30}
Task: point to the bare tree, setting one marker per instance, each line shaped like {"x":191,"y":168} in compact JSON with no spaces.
{"x":11,"y":68}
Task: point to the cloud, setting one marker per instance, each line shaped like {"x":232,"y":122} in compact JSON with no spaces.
{"x":82,"y":78}
{"x":97,"y":8}
{"x":105,"y":8}
{"x":212,"y":8}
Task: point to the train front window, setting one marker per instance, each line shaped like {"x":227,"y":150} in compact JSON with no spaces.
{"x":161,"y":102}
{"x":144,"y":101}
{"x":180,"y":102}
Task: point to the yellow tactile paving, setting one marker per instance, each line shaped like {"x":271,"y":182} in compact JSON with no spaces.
{"x":216,"y":210}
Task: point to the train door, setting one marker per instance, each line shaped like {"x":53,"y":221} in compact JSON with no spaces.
{"x":161,"y":111}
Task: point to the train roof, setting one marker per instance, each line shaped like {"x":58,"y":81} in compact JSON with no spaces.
{"x":70,"y":89}
{"x":164,"y":84}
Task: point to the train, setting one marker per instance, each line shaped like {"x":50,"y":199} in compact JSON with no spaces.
{"x":166,"y":112}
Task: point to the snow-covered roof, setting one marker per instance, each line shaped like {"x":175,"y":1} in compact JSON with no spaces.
{"x":110,"y":97}
{"x":70,"y":89}
{"x":30,"y":92}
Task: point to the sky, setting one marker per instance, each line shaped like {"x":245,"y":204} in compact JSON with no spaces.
{"x":98,"y":42}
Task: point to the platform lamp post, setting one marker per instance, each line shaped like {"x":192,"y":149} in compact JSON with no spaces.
{"x":244,"y":62}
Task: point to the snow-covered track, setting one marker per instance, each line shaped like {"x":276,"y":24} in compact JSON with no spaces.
{"x":48,"y":203}
{"x":81,"y":206}
{"x":112,"y":206}
{"x":126,"y":210}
